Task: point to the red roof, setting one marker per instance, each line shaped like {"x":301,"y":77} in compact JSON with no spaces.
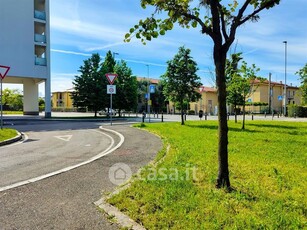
{"x":152,"y":80}
{"x":207,"y":89}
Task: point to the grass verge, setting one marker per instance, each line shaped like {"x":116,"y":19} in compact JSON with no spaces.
{"x":6,"y":134}
{"x":267,"y":163}
{"x":13,"y":112}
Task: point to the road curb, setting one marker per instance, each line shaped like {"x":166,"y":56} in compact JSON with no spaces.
{"x":122,"y":219}
{"x":12,"y":140}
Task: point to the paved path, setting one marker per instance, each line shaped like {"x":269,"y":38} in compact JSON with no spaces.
{"x":66,"y":201}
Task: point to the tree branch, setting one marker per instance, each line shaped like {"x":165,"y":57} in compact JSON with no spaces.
{"x":205,"y":29}
{"x":223,"y":22}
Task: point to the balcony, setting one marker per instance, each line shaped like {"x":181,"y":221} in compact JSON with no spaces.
{"x":40,"y":15}
{"x":40,"y":61}
{"x":40,"y":38}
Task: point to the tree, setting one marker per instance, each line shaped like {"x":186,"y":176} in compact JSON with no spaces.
{"x":90,"y":90}
{"x":234,"y":95}
{"x":12,"y":99}
{"x":220,"y":22}
{"x":181,"y":80}
{"x":126,"y":88}
{"x":247,"y":85}
{"x":240,"y":82}
{"x":303,"y":77}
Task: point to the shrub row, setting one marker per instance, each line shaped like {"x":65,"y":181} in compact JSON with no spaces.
{"x":297,"y":111}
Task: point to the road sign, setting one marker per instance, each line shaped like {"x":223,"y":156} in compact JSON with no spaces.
{"x":3,"y":71}
{"x":111,"y":77}
{"x":152,"y":88}
{"x":111,"y":89}
{"x":279,"y":98}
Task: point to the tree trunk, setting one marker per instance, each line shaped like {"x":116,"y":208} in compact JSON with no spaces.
{"x":243,"y":123}
{"x":223,"y":173}
{"x":236,"y":119}
{"x":182,"y":117}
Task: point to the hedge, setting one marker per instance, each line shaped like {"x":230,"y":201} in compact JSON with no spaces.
{"x":297,"y":111}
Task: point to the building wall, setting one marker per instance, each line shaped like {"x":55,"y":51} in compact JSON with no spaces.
{"x":17,"y":39}
{"x":207,"y":103}
{"x":261,"y":94}
{"x":25,"y":47}
{"x":62,"y":100}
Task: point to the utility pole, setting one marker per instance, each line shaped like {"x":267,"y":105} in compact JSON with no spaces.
{"x":270,"y":93}
{"x":285,"y":87}
{"x":148,"y":94}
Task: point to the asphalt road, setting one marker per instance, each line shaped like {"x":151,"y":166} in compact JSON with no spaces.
{"x":65,"y":201}
{"x":45,"y":152}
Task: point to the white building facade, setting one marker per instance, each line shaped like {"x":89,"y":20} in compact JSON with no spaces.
{"x":25,"y":48}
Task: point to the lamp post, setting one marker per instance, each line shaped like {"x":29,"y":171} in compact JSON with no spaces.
{"x":148,"y":94}
{"x":114,"y":53}
{"x":285,"y":87}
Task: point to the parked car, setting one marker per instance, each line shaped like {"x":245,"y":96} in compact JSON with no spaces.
{"x":107,"y":112}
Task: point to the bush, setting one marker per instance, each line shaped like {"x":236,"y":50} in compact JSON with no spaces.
{"x":191,"y":112}
{"x":298,"y":111}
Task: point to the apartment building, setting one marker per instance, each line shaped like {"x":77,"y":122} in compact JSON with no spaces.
{"x":272,"y":93}
{"x":25,"y":47}
{"x":208,"y":101}
{"x":62,"y":99}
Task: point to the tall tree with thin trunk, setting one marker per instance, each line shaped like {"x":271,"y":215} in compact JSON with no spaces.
{"x":219,"y":19}
{"x":89,"y":87}
{"x":180,"y":82}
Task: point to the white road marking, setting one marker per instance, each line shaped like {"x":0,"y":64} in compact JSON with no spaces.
{"x":105,"y":152}
{"x":64,"y":138}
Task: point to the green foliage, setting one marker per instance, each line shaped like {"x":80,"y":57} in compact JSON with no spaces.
{"x":12,"y":99}
{"x":91,"y":85}
{"x":180,"y":80}
{"x":126,"y":88}
{"x":240,"y":81}
{"x":303,"y":77}
{"x":186,"y":15}
{"x":257,"y":103}
{"x":297,"y":111}
{"x":6,"y":134}
{"x":157,"y":98}
{"x":267,"y":164}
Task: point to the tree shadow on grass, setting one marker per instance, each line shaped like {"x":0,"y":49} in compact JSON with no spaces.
{"x":274,"y":126}
{"x":215,"y":127}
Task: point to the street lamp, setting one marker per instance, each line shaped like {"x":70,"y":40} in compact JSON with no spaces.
{"x":285,"y":87}
{"x":114,"y":53}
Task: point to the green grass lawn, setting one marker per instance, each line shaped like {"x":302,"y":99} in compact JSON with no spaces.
{"x":267,"y":165}
{"x":6,"y":134}
{"x":13,"y":112}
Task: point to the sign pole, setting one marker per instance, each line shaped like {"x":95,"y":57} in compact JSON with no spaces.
{"x":1,"y":106}
{"x":3,"y":71}
{"x":111,"y":107}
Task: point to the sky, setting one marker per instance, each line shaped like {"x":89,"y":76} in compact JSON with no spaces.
{"x":80,"y":28}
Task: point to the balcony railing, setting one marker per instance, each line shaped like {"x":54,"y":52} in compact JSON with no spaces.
{"x":40,"y":61}
{"x":39,"y":15}
{"x":40,"y":38}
